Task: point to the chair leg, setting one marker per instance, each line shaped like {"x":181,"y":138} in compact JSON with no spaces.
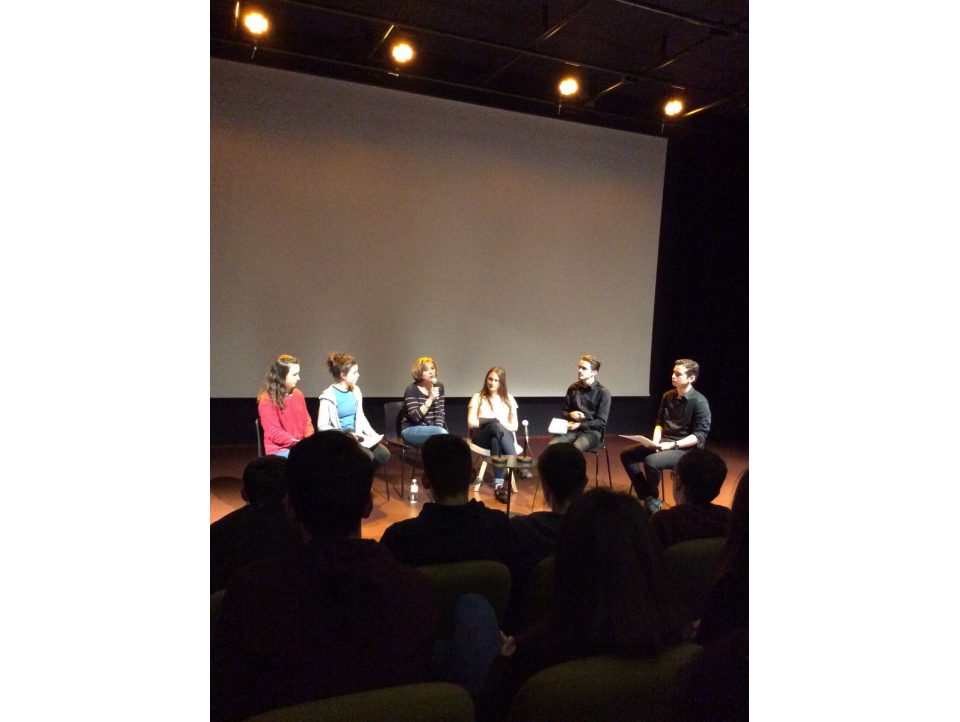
{"x":513,"y":481}
{"x":606,"y":452}
{"x":479,"y":480}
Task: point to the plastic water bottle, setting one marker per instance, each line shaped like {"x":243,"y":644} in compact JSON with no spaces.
{"x":414,"y":489}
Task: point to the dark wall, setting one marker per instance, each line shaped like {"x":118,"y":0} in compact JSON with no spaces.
{"x":702,"y":309}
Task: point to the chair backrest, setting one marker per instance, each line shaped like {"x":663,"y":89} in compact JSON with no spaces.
{"x":448,"y":582}
{"x":260,"y":448}
{"x":392,"y":413}
{"x":603,"y":688}
{"x":692,"y":566}
{"x":428,"y":702}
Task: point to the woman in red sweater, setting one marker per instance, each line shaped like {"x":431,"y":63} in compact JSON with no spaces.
{"x":283,"y":411}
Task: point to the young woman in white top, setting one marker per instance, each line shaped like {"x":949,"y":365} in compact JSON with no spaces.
{"x":492,"y":420}
{"x":341,"y":407}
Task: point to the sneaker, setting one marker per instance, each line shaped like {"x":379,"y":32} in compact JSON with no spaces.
{"x":500,"y":491}
{"x":653,"y":506}
{"x":525,"y":474}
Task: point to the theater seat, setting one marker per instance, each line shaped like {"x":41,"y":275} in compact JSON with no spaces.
{"x":602,"y":689}
{"x":448,"y":582}
{"x":428,"y":702}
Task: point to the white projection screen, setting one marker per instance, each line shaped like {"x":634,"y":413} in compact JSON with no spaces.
{"x":390,"y":225}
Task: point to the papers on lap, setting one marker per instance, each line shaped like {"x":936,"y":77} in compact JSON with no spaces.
{"x":558,"y":426}
{"x":641,"y":440}
{"x":370,"y":441}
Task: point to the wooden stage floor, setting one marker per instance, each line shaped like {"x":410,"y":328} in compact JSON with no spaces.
{"x":227,"y":464}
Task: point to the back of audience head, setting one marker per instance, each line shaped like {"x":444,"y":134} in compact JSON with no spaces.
{"x":447,"y":466}
{"x":612,"y":593}
{"x":328,"y":482}
{"x":563,"y":473}
{"x":699,"y":476}
{"x":265,"y":481}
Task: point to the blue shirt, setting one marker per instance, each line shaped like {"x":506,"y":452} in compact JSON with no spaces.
{"x":346,"y":409}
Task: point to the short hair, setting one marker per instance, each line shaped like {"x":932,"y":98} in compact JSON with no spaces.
{"x":265,"y":480}
{"x":328,"y":481}
{"x":692,"y":367}
{"x":701,"y":474}
{"x":594,"y":362}
{"x":339,"y":363}
{"x":420,"y":365}
{"x":447,"y":463}
{"x":563,"y":470}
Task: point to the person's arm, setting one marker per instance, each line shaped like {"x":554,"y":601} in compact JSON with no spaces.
{"x":308,"y":429}
{"x":598,"y":422}
{"x":511,"y":423}
{"x":327,"y":414}
{"x":414,"y":406}
{"x":473,"y":412}
{"x":272,"y":424}
{"x":363,"y":426}
{"x":657,"y":433}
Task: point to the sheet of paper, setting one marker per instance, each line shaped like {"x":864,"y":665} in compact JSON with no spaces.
{"x":557,"y":426}
{"x":640,"y":440}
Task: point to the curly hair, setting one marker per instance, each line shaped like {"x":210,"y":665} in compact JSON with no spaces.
{"x":274,"y":383}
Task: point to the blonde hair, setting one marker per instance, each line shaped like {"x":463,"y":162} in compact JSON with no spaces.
{"x":420,"y":365}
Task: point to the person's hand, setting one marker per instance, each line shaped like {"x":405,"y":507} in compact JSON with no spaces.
{"x":572,"y":426}
{"x":668,"y":445}
{"x":508,"y":645}
{"x":577,"y":415}
{"x":435,"y":392}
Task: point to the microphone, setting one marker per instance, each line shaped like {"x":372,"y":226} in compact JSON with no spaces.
{"x":526,"y":438}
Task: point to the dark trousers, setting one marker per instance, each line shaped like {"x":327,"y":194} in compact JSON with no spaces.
{"x":638,"y":459}
{"x":583,"y":440}
{"x":499,"y":439}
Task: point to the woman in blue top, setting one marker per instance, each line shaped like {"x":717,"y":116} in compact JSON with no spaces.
{"x":341,"y":407}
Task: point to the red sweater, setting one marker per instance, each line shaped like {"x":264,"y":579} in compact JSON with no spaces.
{"x":284,"y":428}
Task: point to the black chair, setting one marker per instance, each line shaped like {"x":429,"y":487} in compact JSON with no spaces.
{"x":260,"y":448}
{"x":392,"y":416}
{"x":596,"y":466}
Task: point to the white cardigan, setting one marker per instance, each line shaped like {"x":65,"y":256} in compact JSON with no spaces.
{"x":328,"y":418}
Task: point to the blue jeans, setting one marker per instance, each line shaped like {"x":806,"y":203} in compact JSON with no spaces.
{"x":417,"y":435}
{"x":474,"y":643}
{"x":499,"y":440}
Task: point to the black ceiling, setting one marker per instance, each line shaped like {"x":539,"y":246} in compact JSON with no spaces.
{"x":630,"y":57}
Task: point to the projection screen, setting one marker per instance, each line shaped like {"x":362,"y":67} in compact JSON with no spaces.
{"x":389,"y":225}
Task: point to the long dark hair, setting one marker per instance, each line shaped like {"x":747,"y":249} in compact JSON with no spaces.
{"x":274,"y":383}
{"x":612,"y":595}
{"x":501,"y":390}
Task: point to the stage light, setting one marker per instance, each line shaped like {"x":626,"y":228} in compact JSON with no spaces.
{"x":673,"y":107}
{"x":402,"y":52}
{"x":569,"y":86}
{"x":256,"y":23}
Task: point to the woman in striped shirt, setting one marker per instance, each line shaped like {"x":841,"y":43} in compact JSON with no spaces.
{"x":423,"y":402}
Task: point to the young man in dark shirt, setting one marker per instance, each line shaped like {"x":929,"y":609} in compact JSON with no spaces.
{"x":320,"y":621}
{"x":257,"y":531}
{"x":697,"y":480}
{"x":683,"y":423}
{"x":586,"y":407}
{"x":563,"y":473}
{"x":451,"y":528}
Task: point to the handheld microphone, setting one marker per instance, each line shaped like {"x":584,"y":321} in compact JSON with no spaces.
{"x":436,"y":385}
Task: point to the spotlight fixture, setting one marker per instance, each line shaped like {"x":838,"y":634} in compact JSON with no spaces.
{"x":568,"y":87}
{"x":673,"y":107}
{"x":402,"y":52}
{"x":256,"y":22}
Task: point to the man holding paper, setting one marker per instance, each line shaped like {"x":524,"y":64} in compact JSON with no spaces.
{"x":683,"y":423}
{"x":586,"y":408}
